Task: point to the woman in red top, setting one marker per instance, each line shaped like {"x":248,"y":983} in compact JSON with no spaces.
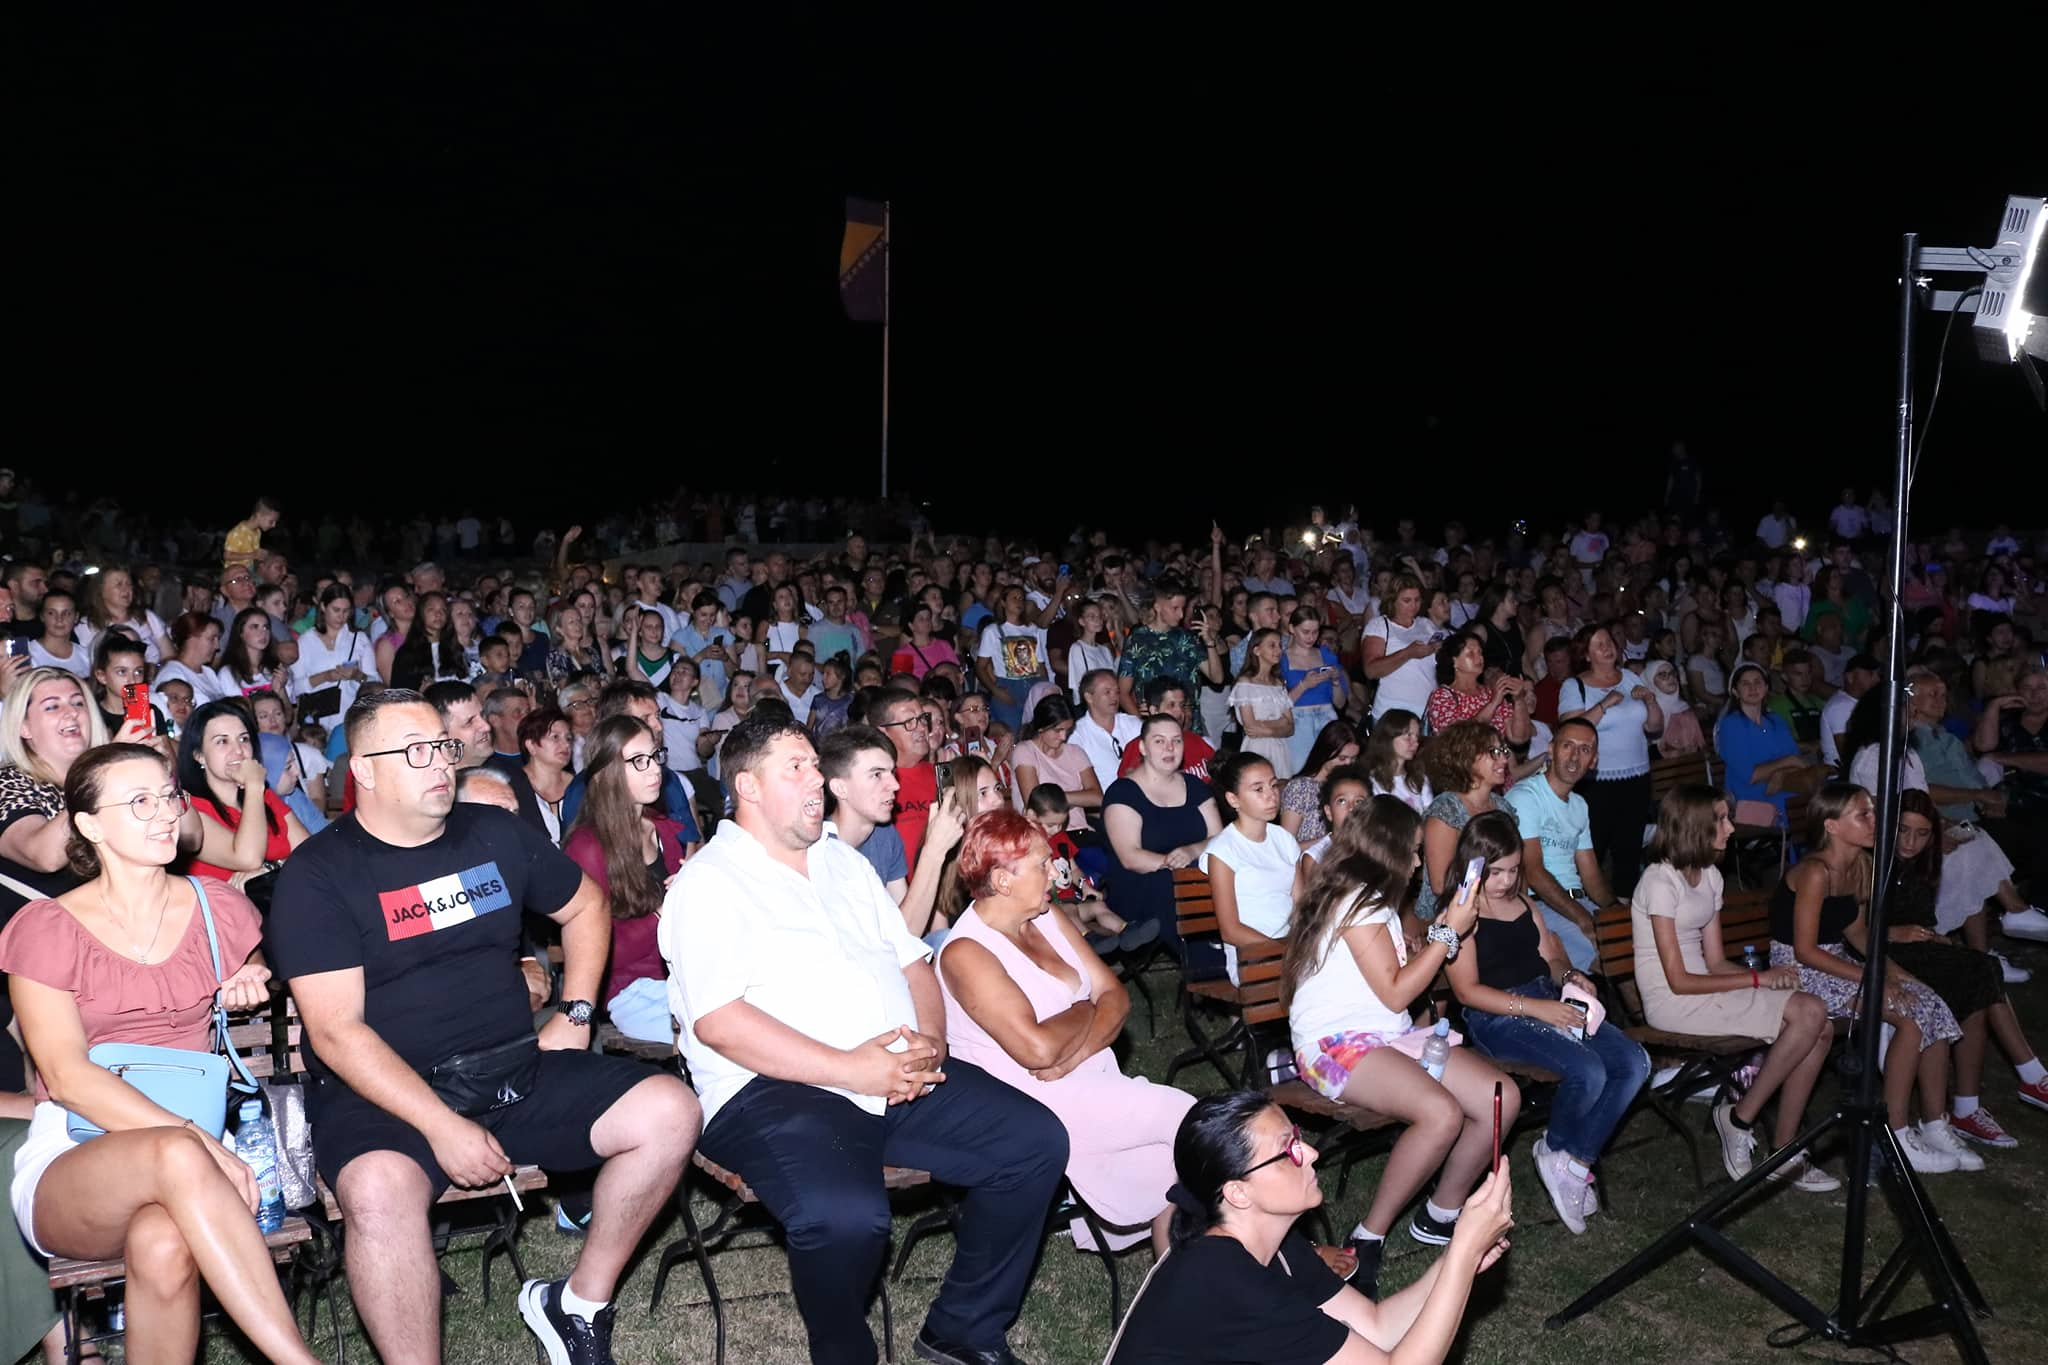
{"x":221,"y":770}
{"x":124,"y":958}
{"x":626,"y":845}
{"x":1462,"y":693}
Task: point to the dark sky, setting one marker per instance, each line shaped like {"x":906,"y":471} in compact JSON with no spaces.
{"x":1156,"y":261}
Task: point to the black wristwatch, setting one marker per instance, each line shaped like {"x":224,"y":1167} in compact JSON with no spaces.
{"x":579,"y":1011}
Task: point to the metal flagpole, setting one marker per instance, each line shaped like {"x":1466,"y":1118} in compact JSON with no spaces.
{"x":887,"y":250}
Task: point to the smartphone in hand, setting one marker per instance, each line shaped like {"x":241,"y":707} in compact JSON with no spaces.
{"x":1496,"y":1125}
{"x":135,"y":701}
{"x":1472,"y":871}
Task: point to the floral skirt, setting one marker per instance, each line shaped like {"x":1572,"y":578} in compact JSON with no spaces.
{"x":1328,"y":1070}
{"x":1937,"y":1022}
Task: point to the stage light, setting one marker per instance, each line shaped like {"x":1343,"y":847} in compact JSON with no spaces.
{"x":1799,"y":542}
{"x":2011,"y":315}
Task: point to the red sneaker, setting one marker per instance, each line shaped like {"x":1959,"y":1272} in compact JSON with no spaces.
{"x":1982,"y":1129}
{"x":2036,"y":1093}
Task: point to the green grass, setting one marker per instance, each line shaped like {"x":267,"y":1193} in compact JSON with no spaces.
{"x":1687,"y":1310}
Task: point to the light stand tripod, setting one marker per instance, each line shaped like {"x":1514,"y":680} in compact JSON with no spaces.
{"x":1857,"y":1316}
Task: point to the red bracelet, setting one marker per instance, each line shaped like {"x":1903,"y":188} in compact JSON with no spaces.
{"x":1754,"y":983}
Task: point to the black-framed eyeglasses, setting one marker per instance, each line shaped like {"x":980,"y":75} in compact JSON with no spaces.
{"x":642,"y":762}
{"x":146,"y":806}
{"x":1294,"y":1151}
{"x":917,"y":722}
{"x":420,"y":753}
{"x":1501,"y":751}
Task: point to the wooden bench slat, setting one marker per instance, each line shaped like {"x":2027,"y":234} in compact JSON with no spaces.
{"x":66,"y":1273}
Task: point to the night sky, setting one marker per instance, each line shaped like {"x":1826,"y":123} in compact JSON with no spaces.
{"x":1146,"y":265}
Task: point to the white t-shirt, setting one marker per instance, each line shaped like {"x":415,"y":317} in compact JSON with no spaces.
{"x":1849,"y":521}
{"x":1793,"y":599}
{"x":1711,"y":674}
{"x":1408,"y":686}
{"x":79,"y":664}
{"x":822,"y":953}
{"x":681,"y":723}
{"x":1017,"y":653}
{"x":1334,"y":997}
{"x":1105,"y":749}
{"x":1406,"y":795}
{"x":1624,"y":748}
{"x":1264,"y":880}
{"x":1590,"y":547}
{"x":1083,"y":659}
{"x":1834,"y":720}
{"x":1863,"y":771}
{"x":1775,"y":531}
{"x":148,"y":630}
{"x":207,"y":684}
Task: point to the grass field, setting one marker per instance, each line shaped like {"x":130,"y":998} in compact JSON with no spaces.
{"x":1687,"y":1310}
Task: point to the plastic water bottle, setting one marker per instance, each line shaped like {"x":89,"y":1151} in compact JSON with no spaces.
{"x":1752,"y":957}
{"x":256,"y":1144}
{"x":1437,"y":1050}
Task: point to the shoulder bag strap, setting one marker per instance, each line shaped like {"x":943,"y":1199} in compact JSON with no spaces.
{"x":220,"y":1013}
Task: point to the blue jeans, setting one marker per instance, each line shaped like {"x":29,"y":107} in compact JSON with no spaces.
{"x":815,"y":1161}
{"x":1579,"y":949}
{"x":1601,"y":1075}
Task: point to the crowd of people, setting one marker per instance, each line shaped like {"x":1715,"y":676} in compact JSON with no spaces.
{"x":872,"y":834}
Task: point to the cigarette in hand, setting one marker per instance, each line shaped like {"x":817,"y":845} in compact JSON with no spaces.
{"x":517,"y":1203}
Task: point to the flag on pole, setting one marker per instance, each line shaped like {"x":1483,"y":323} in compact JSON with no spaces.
{"x":863,"y":261}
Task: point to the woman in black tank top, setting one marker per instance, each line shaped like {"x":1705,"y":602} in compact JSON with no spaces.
{"x":1818,"y":925}
{"x":1511,"y":985}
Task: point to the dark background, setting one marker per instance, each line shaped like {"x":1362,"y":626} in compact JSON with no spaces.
{"x":1147,"y":264}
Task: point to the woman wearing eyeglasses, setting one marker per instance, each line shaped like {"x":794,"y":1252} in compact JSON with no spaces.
{"x":123,"y":957}
{"x":1241,"y":1285}
{"x":220,"y":767}
{"x":1468,"y":765}
{"x":624,"y":843}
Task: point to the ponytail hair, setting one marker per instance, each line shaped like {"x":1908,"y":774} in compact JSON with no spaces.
{"x":1212,"y":1148}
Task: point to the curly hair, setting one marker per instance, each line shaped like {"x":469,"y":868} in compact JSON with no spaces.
{"x":1451,"y":754}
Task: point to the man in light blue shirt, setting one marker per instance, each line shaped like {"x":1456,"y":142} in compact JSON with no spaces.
{"x":1558,"y":861}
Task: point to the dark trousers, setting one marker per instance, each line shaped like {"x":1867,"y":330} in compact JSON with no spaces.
{"x":1619,"y":808}
{"x":2024,"y":837}
{"x":815,"y":1160}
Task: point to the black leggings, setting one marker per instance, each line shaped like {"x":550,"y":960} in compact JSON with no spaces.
{"x":1619,"y":809}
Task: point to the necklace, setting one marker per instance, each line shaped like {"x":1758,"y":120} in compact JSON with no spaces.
{"x":163,"y":906}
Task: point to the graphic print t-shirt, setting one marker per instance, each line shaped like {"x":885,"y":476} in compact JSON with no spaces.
{"x":435,"y":929}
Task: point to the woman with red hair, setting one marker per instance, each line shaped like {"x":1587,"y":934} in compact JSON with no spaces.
{"x":1031,"y":1004}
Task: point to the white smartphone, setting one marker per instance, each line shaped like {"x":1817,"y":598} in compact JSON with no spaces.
{"x":1472,"y":871}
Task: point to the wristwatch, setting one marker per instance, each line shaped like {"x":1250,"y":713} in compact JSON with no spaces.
{"x":1444,"y":934}
{"x":578,"y":1011}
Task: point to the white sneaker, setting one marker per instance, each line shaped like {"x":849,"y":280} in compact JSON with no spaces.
{"x":2029,"y":923}
{"x":1936,"y":1133}
{"x":1922,"y":1155}
{"x":1736,"y":1145}
{"x":1567,"y":1192}
{"x":2014,"y":973}
{"x":1802,"y":1174}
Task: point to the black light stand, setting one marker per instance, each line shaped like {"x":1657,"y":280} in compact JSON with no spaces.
{"x":1856,"y":1318}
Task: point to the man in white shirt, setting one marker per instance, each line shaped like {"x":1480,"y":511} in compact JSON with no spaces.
{"x":1777,"y":528}
{"x":815,"y":1035}
{"x":1859,"y":675}
{"x":1104,"y":729}
{"x":1850,"y":520}
{"x":797,"y":686}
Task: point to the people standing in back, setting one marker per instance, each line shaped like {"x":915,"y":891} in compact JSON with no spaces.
{"x":1627,"y":716}
{"x":1398,"y":649}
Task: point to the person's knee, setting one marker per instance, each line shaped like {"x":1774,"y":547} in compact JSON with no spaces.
{"x":1441,"y":1118}
{"x":383,"y":1189}
{"x":156,"y":1254}
{"x":1804,"y":1014}
{"x":658,"y":1114}
{"x":1510,"y":1101}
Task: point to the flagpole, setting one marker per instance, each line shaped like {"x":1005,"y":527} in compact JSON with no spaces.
{"x":886,"y":252}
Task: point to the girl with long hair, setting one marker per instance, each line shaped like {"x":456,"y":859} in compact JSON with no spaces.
{"x":1392,"y":760}
{"x":432,"y":649}
{"x":1265,"y":710}
{"x":250,"y":661}
{"x":624,"y":843}
{"x":1251,"y":864}
{"x":1300,"y":806}
{"x":1349,"y":982}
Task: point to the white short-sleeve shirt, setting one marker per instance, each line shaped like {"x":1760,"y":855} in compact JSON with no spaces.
{"x":823,"y":953}
{"x":1264,"y":880}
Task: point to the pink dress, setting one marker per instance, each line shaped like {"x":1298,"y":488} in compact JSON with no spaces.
{"x":1119,"y":1128}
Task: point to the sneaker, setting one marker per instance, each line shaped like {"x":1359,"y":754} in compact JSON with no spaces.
{"x":1592,"y":1195}
{"x":569,"y":1223}
{"x":565,"y":1338}
{"x":1369,"y":1251}
{"x":2035,"y":1094}
{"x":1922,"y":1155}
{"x":2029,"y":923}
{"x":1429,"y":1231}
{"x":1937,"y":1134}
{"x":1567,"y":1191}
{"x":1802,"y":1174}
{"x":1979,"y":1127}
{"x":929,"y":1347}
{"x":2015,"y":975}
{"x":1737,"y":1145}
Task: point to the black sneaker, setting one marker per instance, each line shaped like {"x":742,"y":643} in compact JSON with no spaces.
{"x":1429,"y":1231}
{"x":929,"y":1347}
{"x":1366,"y":1278}
{"x":564,"y":1338}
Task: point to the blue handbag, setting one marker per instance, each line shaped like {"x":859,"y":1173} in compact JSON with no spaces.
{"x":192,"y":1085}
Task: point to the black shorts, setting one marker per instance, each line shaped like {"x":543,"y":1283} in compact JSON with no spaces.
{"x":550,"y":1128}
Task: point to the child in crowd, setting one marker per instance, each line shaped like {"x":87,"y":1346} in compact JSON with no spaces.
{"x":1072,"y":890}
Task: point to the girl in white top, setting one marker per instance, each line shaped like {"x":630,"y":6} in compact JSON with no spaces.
{"x":1349,"y":984}
{"x":1343,"y":791}
{"x":57,"y":647}
{"x":1251,"y":863}
{"x":1390,"y":760}
{"x":1264,"y":709}
{"x":1400,"y":652}
{"x":334,"y":654}
{"x":1089,"y":651}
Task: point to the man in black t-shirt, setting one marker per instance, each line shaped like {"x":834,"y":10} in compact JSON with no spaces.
{"x":398,"y":927}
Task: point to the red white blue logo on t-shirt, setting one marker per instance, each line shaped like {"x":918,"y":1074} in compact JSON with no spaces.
{"x":443,"y":902}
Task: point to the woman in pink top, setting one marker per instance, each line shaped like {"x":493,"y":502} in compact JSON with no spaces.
{"x":1046,"y":756}
{"x":1027,"y":1002}
{"x":124,"y":958}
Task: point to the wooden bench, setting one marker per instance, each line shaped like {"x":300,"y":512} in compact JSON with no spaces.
{"x":698,"y":1242}
{"x":1669,"y":774}
{"x":1702,"y":1060}
{"x":1194,"y":905}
